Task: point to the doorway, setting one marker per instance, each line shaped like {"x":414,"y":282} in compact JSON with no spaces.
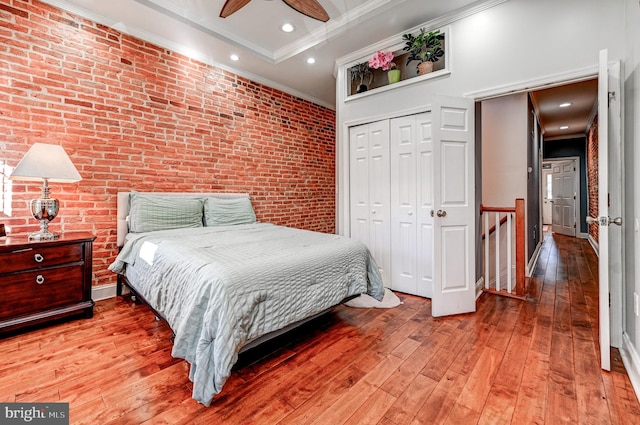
{"x":561,"y":191}
{"x":617,"y":286}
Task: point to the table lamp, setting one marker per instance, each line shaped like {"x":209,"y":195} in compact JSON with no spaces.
{"x":46,"y":163}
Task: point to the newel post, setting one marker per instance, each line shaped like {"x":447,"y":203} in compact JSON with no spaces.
{"x":520,"y":255}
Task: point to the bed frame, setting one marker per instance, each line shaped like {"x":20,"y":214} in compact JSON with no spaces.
{"x":123,"y":230}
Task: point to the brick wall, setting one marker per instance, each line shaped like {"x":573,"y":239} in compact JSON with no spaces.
{"x":132,"y":115}
{"x":592,"y":175}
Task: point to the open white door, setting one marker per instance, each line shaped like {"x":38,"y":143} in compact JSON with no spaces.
{"x":454,"y":203}
{"x":564,"y":194}
{"x":609,"y":205}
{"x":546,"y":186}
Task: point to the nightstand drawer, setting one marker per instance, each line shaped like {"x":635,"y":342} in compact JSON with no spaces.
{"x":38,"y":290}
{"x":39,"y":256}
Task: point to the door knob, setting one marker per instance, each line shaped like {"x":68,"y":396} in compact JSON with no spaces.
{"x":441,"y":213}
{"x":604,"y":221}
{"x":591,"y":220}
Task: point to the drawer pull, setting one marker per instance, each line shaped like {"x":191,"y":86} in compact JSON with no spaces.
{"x":39,"y":258}
{"x":39,"y":279}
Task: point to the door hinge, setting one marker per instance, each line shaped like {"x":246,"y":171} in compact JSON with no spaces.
{"x":612,"y":96}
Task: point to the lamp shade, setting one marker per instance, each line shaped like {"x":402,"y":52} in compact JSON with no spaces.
{"x":43,"y":161}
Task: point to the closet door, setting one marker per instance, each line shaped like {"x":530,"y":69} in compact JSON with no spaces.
{"x":369,"y":190}
{"x":404,"y":190}
{"x":424,"y":174}
{"x":411,"y":205}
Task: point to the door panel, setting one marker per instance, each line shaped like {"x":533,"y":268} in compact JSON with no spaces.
{"x":610,"y":207}
{"x":564,"y":189}
{"x":603,"y":211}
{"x":454,"y":224}
{"x":403,"y":205}
{"x":425,"y":204}
{"x":369,"y":190}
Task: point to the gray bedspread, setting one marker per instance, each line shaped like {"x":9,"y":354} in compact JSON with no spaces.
{"x":221,"y":287}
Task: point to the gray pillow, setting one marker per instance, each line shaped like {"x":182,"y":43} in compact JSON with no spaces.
{"x":148,"y":213}
{"x":224,"y":212}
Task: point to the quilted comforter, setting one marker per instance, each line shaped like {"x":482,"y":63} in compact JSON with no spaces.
{"x":221,"y":287}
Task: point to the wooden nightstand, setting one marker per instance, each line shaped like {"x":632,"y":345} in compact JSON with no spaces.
{"x":44,"y":281}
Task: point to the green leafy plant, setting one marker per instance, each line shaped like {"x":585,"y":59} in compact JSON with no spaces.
{"x":424,"y":47}
{"x":360,"y":72}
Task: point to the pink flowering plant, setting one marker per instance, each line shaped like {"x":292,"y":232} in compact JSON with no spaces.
{"x":382,"y":60}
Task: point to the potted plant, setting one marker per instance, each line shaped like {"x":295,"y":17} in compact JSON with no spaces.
{"x":426,"y":47}
{"x":385,"y":62}
{"x":360,"y":72}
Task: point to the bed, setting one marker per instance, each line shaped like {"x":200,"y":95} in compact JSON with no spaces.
{"x":223,"y":281}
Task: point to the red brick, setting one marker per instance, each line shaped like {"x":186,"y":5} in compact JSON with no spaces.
{"x":136,"y":116}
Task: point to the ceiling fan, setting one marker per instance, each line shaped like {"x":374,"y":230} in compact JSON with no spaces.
{"x":311,"y":8}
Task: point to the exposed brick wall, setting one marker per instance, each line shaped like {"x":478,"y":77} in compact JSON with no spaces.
{"x":592,"y":175}
{"x":132,"y":115}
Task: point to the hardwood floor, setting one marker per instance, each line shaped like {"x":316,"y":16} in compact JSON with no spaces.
{"x":519,"y":362}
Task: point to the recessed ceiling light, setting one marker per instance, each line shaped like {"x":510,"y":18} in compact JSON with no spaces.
{"x":564,"y":127}
{"x":311,"y":61}
{"x":564,"y":105}
{"x":287,"y":28}
{"x":234,"y":57}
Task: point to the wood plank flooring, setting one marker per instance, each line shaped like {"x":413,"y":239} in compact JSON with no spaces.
{"x":512,"y":362}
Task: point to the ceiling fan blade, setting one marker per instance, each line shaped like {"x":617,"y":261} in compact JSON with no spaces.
{"x":311,"y":8}
{"x":232,"y":6}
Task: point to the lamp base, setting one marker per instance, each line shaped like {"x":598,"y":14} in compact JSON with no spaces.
{"x":43,"y":236}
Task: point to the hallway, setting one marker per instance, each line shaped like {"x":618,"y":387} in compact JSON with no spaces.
{"x":561,"y":318}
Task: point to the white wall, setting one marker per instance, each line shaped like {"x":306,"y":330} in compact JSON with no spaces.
{"x":514,"y":42}
{"x":504,"y":150}
{"x":631,"y":137}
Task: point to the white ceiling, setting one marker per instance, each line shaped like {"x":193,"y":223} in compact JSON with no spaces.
{"x":267,"y":54}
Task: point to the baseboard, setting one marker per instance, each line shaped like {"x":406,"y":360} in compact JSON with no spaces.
{"x":534,"y":260}
{"x":479,"y":286}
{"x":631,"y":360}
{"x":583,"y":235}
{"x":103,"y":292}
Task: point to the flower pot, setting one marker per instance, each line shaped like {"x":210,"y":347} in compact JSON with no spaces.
{"x":425,"y":68}
{"x":393,"y":75}
{"x":361,"y":88}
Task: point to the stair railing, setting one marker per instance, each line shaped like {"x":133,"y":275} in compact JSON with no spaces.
{"x":504,"y":216}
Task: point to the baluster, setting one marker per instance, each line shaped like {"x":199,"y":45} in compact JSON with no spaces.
{"x":509,"y":247}
{"x":497,"y":251}
{"x":487,"y":238}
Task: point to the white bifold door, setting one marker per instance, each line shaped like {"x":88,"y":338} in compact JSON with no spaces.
{"x":412,"y":201}
{"x":412,"y":204}
{"x":369,"y":190}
